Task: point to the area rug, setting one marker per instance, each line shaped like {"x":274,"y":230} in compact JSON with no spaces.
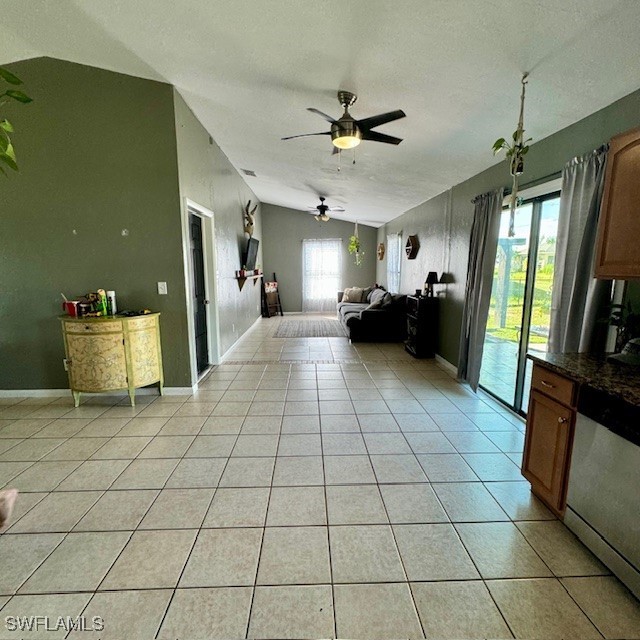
{"x":309,"y":329}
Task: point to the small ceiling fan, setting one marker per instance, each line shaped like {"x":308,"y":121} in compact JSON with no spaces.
{"x":322,"y":209}
{"x":347,"y":132}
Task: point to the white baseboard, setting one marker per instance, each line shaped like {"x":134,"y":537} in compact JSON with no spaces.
{"x":244,"y":333}
{"x":34,"y":393}
{"x":55,"y":393}
{"x":446,"y":365}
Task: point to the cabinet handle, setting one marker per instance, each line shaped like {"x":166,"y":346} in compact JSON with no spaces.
{"x":561,"y":420}
{"x":547,"y":384}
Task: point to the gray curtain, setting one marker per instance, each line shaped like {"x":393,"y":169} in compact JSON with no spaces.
{"x":578,"y":300}
{"x":482,"y":258}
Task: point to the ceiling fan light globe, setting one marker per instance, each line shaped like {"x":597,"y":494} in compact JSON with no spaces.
{"x":346,"y":142}
{"x":345,"y":134}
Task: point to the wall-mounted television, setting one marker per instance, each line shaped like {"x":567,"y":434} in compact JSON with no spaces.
{"x":250,"y":255}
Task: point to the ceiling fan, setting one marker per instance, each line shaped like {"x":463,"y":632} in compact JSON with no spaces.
{"x":322,"y":209}
{"x":347,"y":132}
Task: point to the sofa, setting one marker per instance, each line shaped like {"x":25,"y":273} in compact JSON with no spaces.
{"x":372,"y":314}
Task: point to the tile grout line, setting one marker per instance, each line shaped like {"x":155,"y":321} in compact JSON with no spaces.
{"x":266,"y":515}
{"x":199,"y":529}
{"x":326,"y":510}
{"x":395,"y":541}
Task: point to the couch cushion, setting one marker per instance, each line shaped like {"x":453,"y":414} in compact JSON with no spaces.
{"x":347,"y":308}
{"x":353,"y":294}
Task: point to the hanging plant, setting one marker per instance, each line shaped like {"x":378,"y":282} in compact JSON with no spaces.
{"x":7,"y":152}
{"x":515,"y":151}
{"x":354,"y":247}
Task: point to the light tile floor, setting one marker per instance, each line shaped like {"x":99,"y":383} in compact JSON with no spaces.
{"x":310,"y":489}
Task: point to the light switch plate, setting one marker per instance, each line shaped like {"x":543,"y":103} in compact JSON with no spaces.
{"x":162,"y":288}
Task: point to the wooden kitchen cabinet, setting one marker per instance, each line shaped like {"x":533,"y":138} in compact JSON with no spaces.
{"x":618,"y":249}
{"x":549,"y":437}
{"x":112,"y":354}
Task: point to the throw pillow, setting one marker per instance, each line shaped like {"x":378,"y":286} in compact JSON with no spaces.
{"x":352,"y":294}
{"x":376,"y":294}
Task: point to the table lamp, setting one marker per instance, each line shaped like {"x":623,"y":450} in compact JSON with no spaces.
{"x":432,"y":278}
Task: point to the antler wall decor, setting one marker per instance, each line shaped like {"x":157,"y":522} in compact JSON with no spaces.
{"x":249,"y":219}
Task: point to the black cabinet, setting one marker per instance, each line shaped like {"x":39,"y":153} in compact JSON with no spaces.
{"x":422,"y":326}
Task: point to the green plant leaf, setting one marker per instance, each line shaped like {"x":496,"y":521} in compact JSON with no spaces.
{"x":5,"y":141}
{"x":515,"y":134}
{"x":9,"y":161}
{"x":19,"y":96}
{"x":6,"y":125}
{"x":524,"y":151}
{"x":7,"y":76}
{"x":10,"y":152}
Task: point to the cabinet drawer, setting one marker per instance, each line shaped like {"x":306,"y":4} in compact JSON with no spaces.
{"x":141,"y":322}
{"x":93,"y":327}
{"x":553,"y":385}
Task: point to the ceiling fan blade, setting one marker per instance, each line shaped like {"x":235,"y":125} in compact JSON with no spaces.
{"x":304,"y":135}
{"x":336,"y":209}
{"x":383,"y":118}
{"x":374,"y":136}
{"x":322,"y":115}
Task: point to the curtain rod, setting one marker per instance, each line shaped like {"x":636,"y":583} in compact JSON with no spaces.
{"x":534,"y":183}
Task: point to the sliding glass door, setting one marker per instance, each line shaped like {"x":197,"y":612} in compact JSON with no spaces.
{"x":520,"y":307}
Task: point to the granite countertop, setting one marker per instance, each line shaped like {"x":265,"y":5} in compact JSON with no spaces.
{"x":617,"y":380}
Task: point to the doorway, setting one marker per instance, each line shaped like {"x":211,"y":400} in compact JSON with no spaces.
{"x":199,"y":294}
{"x":520,"y":306}
{"x":201,"y":286}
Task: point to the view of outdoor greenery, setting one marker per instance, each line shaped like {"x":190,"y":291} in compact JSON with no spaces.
{"x":505,"y":318}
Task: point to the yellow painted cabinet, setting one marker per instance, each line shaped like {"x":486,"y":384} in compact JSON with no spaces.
{"x":110,"y":354}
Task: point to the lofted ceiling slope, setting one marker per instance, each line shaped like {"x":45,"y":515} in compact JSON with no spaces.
{"x":250,"y":69}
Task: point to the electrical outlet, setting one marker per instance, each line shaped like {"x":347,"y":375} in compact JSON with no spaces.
{"x":162,"y":288}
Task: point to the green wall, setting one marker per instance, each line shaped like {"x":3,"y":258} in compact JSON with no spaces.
{"x":443,"y":223}
{"x":284,"y":230}
{"x":97,"y":154}
{"x":208,"y":178}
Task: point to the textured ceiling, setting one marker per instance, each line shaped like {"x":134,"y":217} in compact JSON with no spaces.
{"x":249,"y":69}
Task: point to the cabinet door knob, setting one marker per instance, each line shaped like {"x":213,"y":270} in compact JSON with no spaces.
{"x":561,"y":420}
